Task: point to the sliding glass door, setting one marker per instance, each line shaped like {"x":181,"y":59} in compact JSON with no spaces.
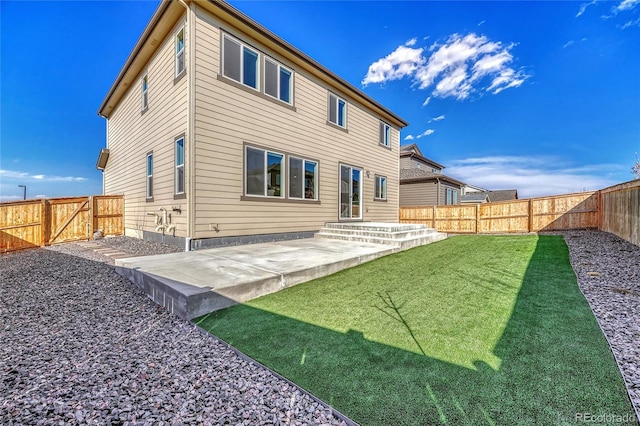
{"x":350,"y":192}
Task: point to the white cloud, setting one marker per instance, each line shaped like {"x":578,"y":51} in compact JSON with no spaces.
{"x":481,"y":23}
{"x":426,"y":101}
{"x":626,"y":5}
{"x":567,"y":44}
{"x":628,"y":24}
{"x":5,"y":198}
{"x":438,"y":118}
{"x":426,"y":133}
{"x":532,"y":176}
{"x":584,"y":7}
{"x":16,"y":175}
{"x":408,"y":138}
{"x":457,"y":68}
{"x":402,"y":62}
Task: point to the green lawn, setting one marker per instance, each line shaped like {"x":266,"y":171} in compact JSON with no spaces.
{"x":471,"y":330}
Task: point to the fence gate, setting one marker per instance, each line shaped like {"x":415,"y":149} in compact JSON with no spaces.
{"x":69,"y":218}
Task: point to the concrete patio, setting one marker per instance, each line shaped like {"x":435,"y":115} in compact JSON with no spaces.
{"x":198,"y":282}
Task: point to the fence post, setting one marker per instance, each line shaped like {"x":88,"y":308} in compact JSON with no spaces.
{"x":433,"y":217}
{"x":46,"y":222}
{"x":91,"y":217}
{"x":600,"y":210}
{"x":477,"y":218}
{"x":530,"y":215}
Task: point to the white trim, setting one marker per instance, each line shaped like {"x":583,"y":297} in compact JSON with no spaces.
{"x":177,"y":166}
{"x":145,"y":91}
{"x":180,"y":52}
{"x":149,"y":175}
{"x":386,"y":134}
{"x":337,"y":106}
{"x":360,"y":191}
{"x":383,"y":193}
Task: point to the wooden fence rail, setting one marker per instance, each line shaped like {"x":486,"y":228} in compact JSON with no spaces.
{"x":571,"y":211}
{"x":38,"y":223}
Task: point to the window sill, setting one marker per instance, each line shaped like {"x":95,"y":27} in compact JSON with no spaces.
{"x":381,"y":145}
{"x":334,"y":125}
{"x":277,"y":200}
{"x":180,"y":76}
{"x":381,"y":200}
{"x":182,"y":196}
{"x":256,"y":92}
{"x":149,"y":199}
{"x":145,"y":109}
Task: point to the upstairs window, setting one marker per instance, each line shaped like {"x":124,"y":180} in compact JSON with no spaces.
{"x":278,"y":81}
{"x":337,"y":110}
{"x":385,"y":134}
{"x":240,"y":62}
{"x":264,"y":173}
{"x":145,"y":93}
{"x":150,"y":175}
{"x":452,"y":197}
{"x":180,"y":52}
{"x":179,"y":184}
{"x":381,"y":188}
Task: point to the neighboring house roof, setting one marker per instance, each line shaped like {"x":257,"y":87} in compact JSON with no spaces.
{"x":413,"y":151}
{"x":472,"y":188}
{"x":503,"y":195}
{"x":419,"y":175}
{"x":170,"y":11}
{"x":475,"y":197}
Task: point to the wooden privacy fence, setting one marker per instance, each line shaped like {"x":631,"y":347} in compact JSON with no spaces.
{"x":620,"y":210}
{"x":37,"y":223}
{"x":571,"y":211}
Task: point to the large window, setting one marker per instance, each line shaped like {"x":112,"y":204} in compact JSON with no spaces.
{"x":452,"y":196}
{"x":381,"y":188}
{"x":150,"y":175}
{"x":180,"y":52}
{"x":264,"y":173}
{"x":179,"y":184}
{"x":337,"y":110}
{"x":278,"y":81}
{"x":385,"y":134}
{"x":145,"y":92}
{"x":303,"y":179}
{"x":240,"y":62}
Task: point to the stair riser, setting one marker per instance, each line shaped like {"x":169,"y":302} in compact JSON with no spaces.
{"x":374,"y":234}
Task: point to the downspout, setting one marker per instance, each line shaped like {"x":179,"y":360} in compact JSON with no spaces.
{"x":191,"y":140}
{"x":437,"y":191}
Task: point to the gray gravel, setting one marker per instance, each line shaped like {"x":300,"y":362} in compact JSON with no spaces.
{"x":608,"y":271}
{"x":81,"y":345}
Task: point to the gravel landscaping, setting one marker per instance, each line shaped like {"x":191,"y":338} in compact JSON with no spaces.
{"x":608,"y":271}
{"x":81,"y":345}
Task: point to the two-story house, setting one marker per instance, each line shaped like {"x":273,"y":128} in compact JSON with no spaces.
{"x":422,"y":182}
{"x":220,"y":132}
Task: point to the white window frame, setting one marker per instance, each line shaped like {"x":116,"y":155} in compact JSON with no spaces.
{"x":451,"y":197}
{"x":179,"y":167}
{"x":315,"y":180}
{"x":180,"y":54}
{"x":338,"y":99}
{"x":283,"y":177}
{"x":145,"y":92}
{"x":380,"y":190}
{"x":149,"y":186}
{"x":242,"y":47}
{"x":278,"y":66}
{"x":385,"y":134}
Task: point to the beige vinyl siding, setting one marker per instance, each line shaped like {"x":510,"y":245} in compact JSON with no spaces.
{"x":419,"y":194}
{"x":132,"y":134}
{"x":228,"y":117}
{"x":412,"y":163}
{"x":406,"y":163}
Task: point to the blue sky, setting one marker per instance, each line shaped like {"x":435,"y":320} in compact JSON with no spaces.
{"x":543,"y":97}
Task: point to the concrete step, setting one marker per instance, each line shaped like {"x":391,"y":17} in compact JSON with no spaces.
{"x":401,"y":243}
{"x":400,"y":235}
{"x":410,"y":233}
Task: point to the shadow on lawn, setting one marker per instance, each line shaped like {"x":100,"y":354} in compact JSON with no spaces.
{"x":555,"y":363}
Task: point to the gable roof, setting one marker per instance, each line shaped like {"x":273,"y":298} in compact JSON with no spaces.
{"x":413,"y":151}
{"x":475,"y":197}
{"x":170,"y":11}
{"x":419,"y":175}
{"x":503,"y":195}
